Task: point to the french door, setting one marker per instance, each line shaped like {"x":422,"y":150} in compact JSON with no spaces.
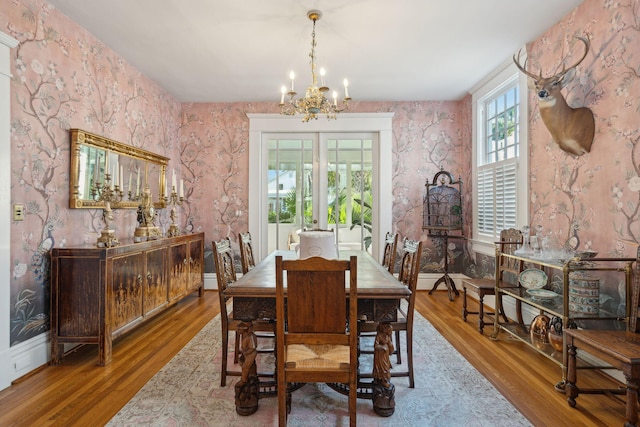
{"x":320,"y":160}
{"x":320,"y":180}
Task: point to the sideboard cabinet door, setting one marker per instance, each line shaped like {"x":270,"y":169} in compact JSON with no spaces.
{"x":126,"y":288}
{"x":77,"y":289}
{"x":156,"y":284}
{"x":178,"y":271}
{"x":196,"y":267}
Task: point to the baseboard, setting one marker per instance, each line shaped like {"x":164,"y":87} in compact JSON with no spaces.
{"x":28,"y":356}
{"x":210,"y":282}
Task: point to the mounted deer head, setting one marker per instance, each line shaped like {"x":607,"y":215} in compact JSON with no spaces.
{"x":571,"y":128}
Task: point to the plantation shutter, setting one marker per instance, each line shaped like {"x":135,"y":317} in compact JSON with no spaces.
{"x":497,"y":183}
{"x":485,"y":200}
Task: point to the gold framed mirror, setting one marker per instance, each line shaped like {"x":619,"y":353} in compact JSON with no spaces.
{"x":94,"y":158}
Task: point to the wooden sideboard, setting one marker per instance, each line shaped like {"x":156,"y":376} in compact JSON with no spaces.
{"x":98,"y":294}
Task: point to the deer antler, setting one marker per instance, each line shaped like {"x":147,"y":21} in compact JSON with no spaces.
{"x":523,"y":68}
{"x":587,"y":45}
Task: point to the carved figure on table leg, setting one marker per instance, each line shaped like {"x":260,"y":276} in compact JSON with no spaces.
{"x":247,"y":388}
{"x":383,"y":391}
{"x":248,"y":351}
{"x":382,"y":348}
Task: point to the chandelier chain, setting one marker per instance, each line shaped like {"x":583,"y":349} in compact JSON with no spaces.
{"x":313,"y":54}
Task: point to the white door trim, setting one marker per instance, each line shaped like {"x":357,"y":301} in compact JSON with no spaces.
{"x":6,"y":370}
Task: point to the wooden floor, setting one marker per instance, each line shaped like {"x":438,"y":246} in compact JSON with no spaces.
{"x":80,"y":393}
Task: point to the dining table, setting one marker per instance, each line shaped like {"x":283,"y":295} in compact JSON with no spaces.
{"x":379,"y":296}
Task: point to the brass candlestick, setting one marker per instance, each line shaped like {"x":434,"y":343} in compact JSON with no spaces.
{"x":174,"y":201}
{"x":107,"y":194}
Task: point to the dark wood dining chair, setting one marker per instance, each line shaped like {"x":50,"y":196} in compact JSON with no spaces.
{"x":317,"y":333}
{"x":246,"y":252}
{"x":409,"y":268}
{"x":225,"y":275}
{"x":389,"y":255}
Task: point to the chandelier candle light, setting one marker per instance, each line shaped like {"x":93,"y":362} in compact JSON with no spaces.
{"x":314,"y":102}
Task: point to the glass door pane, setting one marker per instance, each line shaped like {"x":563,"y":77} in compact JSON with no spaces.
{"x":320,"y":181}
{"x":349,"y":191}
{"x":290,"y":190}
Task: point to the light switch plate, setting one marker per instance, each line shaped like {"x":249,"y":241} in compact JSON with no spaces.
{"x":18,"y":212}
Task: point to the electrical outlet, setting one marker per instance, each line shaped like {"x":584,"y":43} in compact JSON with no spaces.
{"x":18,"y":212}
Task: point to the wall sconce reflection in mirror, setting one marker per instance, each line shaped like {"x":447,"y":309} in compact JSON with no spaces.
{"x":97,"y":161}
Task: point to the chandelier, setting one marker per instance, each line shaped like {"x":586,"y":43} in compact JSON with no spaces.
{"x":314,"y":102}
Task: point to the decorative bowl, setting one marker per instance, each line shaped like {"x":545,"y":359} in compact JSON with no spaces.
{"x":533,"y":278}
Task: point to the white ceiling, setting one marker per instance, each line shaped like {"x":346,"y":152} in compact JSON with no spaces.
{"x":243,"y":50}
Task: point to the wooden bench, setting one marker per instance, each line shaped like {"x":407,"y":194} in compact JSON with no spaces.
{"x":510,"y":240}
{"x":481,"y":287}
{"x":621,"y":349}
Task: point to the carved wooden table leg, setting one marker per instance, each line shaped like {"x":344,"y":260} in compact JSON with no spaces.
{"x":247,"y":388}
{"x":383,"y":391}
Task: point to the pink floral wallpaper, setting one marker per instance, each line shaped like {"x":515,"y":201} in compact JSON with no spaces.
{"x":215,"y":158}
{"x":63,"y":77}
{"x":592,"y":201}
{"x":426,"y":136}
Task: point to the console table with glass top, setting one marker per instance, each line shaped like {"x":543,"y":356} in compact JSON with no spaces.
{"x":559,"y":305}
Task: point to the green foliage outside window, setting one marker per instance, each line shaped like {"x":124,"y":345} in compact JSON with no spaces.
{"x":361,"y":204}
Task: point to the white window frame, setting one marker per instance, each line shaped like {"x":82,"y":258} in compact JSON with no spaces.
{"x":495,"y":82}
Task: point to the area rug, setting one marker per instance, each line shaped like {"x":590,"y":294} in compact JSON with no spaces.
{"x":448,"y":392}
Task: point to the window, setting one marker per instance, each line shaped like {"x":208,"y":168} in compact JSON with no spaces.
{"x":500,"y":147}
